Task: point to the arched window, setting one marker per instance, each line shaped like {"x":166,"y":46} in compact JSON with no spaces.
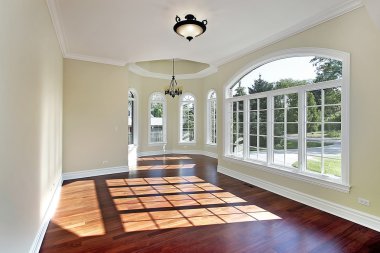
{"x":290,"y":112}
{"x":211,"y":118}
{"x":187,"y":118}
{"x":132,"y":115}
{"x":157,"y":118}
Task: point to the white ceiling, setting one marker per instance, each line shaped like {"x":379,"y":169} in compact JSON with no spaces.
{"x":126,"y":31}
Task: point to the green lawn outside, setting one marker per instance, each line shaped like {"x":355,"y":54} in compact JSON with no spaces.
{"x":332,"y":166}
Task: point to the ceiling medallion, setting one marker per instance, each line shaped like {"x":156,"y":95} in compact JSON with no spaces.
{"x":190,"y":27}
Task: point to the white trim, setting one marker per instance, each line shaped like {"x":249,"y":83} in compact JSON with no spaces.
{"x":135,"y":118}
{"x":322,"y":17}
{"x":133,"y":67}
{"x":94,"y":172}
{"x":168,"y":152}
{"x":208,"y":116}
{"x":95,"y":59}
{"x":364,"y":219}
{"x":36,"y":245}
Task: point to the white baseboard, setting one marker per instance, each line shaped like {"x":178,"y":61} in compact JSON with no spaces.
{"x":344,"y":212}
{"x":94,"y":172}
{"x":167,"y":152}
{"x":35,"y":248}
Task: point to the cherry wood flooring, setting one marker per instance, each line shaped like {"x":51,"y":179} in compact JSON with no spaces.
{"x":179,"y":203}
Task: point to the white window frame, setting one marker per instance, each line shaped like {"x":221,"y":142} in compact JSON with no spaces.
{"x":181,"y":102}
{"x":208,"y":117}
{"x":164,"y":118}
{"x":341,"y":184}
{"x":135,"y":117}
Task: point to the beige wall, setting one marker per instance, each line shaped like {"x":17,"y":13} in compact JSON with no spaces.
{"x":95,"y":116}
{"x":356,"y":34}
{"x":31,"y":120}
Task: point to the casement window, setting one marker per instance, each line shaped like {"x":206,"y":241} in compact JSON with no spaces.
{"x":132,"y":129}
{"x":289,"y":115}
{"x":211,"y":118}
{"x":187,"y":118}
{"x":157,"y":119}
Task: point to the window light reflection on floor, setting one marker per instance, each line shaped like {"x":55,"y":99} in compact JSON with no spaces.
{"x":132,"y":198}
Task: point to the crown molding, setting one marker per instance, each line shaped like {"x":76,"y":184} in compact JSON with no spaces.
{"x":133,"y":67}
{"x":333,"y":12}
{"x":306,"y":24}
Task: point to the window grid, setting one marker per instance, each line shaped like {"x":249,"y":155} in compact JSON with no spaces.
{"x":187,"y":119}
{"x":237,"y":128}
{"x":211,"y":118}
{"x":258,"y":129}
{"x":157,"y":119}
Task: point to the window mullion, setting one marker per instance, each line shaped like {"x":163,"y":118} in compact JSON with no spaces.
{"x":246,"y":129}
{"x":302,"y":119}
{"x":270,"y":120}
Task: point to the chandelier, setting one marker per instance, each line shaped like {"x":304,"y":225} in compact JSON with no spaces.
{"x":173,"y":89}
{"x":190,"y":27}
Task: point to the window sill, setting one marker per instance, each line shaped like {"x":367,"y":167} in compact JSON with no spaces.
{"x":211,"y":144}
{"x":157,"y":144}
{"x":187,"y":143}
{"x":320,"y":180}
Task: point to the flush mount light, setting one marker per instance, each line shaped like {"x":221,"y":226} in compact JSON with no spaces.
{"x":190,"y":27}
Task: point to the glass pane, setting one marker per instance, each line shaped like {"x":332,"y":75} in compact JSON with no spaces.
{"x":292,"y":100}
{"x":279,"y":101}
{"x":279,"y":129}
{"x":332,"y":167}
{"x":333,"y":113}
{"x":253,"y":104}
{"x":263,"y":129}
{"x":241,"y":116}
{"x":333,"y":130}
{"x":253,"y":128}
{"x":263,"y":116}
{"x":292,"y":115}
{"x":253,"y":154}
{"x":332,"y":149}
{"x":234,"y":117}
{"x":291,"y":158}
{"x":234,"y":106}
{"x":292,"y":145}
{"x":241,"y":105}
{"x":253,"y":116}
{"x":314,"y":97}
{"x":253,"y":140}
{"x":240,"y":128}
{"x":263,"y":103}
{"x":314,"y":114}
{"x":263,"y":156}
{"x":314,"y":163}
{"x":292,"y":129}
{"x":314,"y":147}
{"x":279,"y":151}
{"x":313,"y":130}
{"x":262,"y":142}
{"x":333,"y":96}
{"x":279,"y":115}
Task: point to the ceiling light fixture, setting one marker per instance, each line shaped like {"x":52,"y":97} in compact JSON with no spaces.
{"x":173,"y":90}
{"x":190,"y":27}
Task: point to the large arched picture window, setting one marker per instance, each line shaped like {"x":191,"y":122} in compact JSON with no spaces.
{"x":157,"y":118}
{"x":291,"y":113}
{"x":187,"y":118}
{"x":211,"y":118}
{"x":132,"y":129}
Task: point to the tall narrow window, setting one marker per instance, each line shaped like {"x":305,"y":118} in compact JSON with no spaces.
{"x":292,"y":114}
{"x":187,"y":118}
{"x":132,"y":118}
{"x":157,"y":118}
{"x":211,"y":118}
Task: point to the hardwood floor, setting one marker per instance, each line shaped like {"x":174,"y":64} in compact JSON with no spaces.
{"x":181,"y":204}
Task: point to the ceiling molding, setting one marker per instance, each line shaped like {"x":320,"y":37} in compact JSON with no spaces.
{"x":53,"y":9}
{"x":133,"y":67}
{"x":318,"y":19}
{"x":373,"y":8}
{"x":102,"y":60}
